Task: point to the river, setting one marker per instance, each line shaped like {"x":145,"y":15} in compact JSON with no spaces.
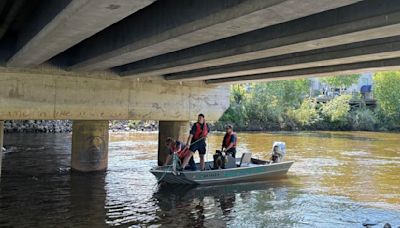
{"x":339,"y":179}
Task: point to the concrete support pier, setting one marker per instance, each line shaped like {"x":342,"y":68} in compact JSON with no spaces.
{"x":89,"y":145}
{"x":1,"y":142}
{"x":175,"y":129}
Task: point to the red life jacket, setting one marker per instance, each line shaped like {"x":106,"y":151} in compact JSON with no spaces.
{"x":183,"y":153}
{"x":200,"y":133}
{"x":227,"y":140}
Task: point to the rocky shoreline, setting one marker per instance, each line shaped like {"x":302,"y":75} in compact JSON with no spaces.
{"x":62,"y":126}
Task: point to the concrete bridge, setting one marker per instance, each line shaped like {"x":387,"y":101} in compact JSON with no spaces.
{"x":97,"y":60}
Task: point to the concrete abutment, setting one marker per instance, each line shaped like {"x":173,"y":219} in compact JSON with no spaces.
{"x":89,"y":145}
{"x":175,"y":129}
{"x":1,"y":142}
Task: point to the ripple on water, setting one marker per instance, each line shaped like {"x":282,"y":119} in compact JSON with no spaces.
{"x":355,"y":153}
{"x":127,"y":194}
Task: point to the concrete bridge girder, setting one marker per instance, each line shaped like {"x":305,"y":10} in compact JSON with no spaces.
{"x":44,"y":96}
{"x":194,"y":22}
{"x":366,"y":20}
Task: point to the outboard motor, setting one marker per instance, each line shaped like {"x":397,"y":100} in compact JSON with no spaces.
{"x":278,"y":152}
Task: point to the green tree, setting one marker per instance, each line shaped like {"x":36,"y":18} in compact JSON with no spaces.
{"x":306,"y":115}
{"x":340,"y":81}
{"x":386,"y":92}
{"x":337,"y":110}
{"x":238,"y":93}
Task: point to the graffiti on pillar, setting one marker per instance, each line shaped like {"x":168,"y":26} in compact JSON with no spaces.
{"x":96,"y":149}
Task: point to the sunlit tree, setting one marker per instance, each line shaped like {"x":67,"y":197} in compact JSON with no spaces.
{"x":340,"y":81}
{"x":387,"y":92}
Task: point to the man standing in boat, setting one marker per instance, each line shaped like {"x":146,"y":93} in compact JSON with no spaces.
{"x":229,"y":141}
{"x":197,"y":140}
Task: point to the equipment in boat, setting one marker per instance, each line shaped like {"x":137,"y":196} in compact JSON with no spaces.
{"x":278,"y":152}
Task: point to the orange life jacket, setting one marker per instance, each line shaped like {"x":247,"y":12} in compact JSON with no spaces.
{"x":227,"y":140}
{"x":200,"y":133}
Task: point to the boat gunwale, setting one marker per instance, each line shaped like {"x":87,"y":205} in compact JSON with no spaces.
{"x":153,"y":170}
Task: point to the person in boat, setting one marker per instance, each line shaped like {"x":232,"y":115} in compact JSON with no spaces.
{"x":197,"y":140}
{"x":176,"y":146}
{"x":229,"y":142}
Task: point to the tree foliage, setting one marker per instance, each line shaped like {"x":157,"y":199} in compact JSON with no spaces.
{"x":306,"y":115}
{"x":340,"y":81}
{"x":387,"y":93}
{"x":285,"y":105}
{"x":337,"y":109}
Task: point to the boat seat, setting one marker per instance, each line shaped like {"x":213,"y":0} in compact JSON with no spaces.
{"x":245,"y":160}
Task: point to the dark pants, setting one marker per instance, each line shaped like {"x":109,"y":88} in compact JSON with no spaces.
{"x":199,"y":146}
{"x":192,"y":165}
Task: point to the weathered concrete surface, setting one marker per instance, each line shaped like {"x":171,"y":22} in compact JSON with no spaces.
{"x":370,"y":50}
{"x":1,"y":142}
{"x":168,"y":26}
{"x":362,"y":21}
{"x":26,"y":95}
{"x":352,"y":68}
{"x":176,"y":129}
{"x":79,"y":20}
{"x":89,"y":145}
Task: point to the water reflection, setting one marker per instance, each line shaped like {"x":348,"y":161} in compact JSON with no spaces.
{"x":215,"y":205}
{"x":87,"y":199}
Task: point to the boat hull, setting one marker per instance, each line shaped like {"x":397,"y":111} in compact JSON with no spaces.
{"x":239,"y":174}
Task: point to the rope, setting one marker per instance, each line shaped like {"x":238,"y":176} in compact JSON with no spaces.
{"x":197,"y":141}
{"x":175,"y":160}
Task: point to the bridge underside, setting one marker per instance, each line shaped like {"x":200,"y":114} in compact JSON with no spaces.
{"x":214,"y":42}
{"x":168,"y":60}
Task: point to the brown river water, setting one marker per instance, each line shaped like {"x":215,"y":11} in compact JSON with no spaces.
{"x":339,"y":179}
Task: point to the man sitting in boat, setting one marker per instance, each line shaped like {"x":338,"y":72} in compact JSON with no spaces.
{"x":229,"y":142}
{"x":197,"y":139}
{"x":176,"y":146}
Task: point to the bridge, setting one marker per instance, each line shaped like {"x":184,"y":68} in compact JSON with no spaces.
{"x":92,"y":61}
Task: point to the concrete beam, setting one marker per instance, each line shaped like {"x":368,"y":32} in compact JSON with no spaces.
{"x":1,"y":143}
{"x":385,"y":48}
{"x":366,"y":20}
{"x":79,"y":20}
{"x":168,"y":26}
{"x":53,"y":95}
{"x":370,"y":66}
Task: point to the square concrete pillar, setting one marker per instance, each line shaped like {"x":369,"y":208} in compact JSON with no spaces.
{"x":175,"y":129}
{"x":1,"y":142}
{"x":89,"y":145}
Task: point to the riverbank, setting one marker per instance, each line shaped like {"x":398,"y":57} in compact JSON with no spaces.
{"x":63,"y":126}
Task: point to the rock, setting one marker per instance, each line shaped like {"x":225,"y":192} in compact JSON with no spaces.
{"x":387,"y":225}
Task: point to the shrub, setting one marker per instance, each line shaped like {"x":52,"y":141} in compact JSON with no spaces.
{"x":363,"y":119}
{"x":336,"y":111}
{"x":306,"y":115}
